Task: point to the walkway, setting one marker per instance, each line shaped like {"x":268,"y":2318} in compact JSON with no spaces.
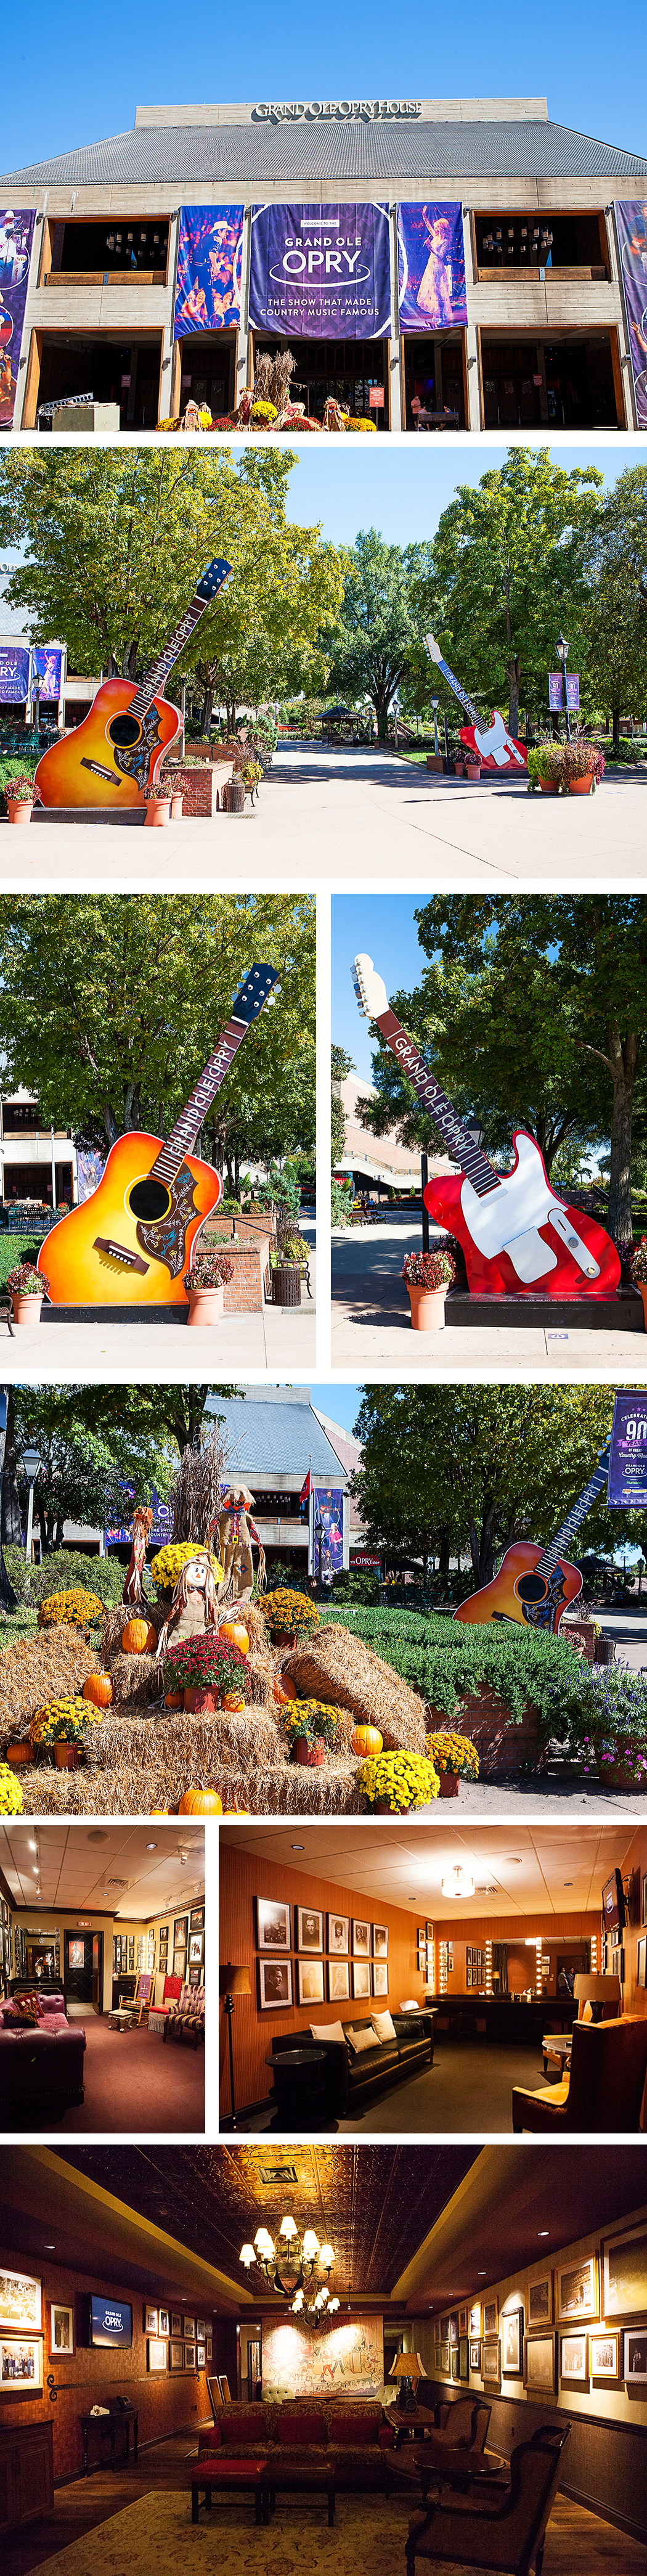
{"x":279,"y":1341}
{"x":372,"y":1334}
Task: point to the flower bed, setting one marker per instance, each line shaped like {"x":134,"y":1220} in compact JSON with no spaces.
{"x":608,"y":1726}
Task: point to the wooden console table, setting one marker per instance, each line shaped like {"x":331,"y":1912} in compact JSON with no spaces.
{"x":110,"y":2423}
{"x":26,"y":2472}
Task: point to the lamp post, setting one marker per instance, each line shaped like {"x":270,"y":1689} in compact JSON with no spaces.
{"x":31,"y":1462}
{"x":435,"y":704}
{"x":562,"y":648}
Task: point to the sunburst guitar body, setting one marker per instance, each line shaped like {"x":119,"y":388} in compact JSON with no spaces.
{"x":521,"y":1593}
{"x":113,"y":755}
{"x":131,"y":1242}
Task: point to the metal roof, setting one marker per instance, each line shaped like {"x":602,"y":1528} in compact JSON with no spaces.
{"x":276,"y":1438}
{"x":235,"y":156}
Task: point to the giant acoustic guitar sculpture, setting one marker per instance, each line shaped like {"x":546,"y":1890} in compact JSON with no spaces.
{"x":534,"y":1585}
{"x":116,"y":752}
{"x":132,"y":1240}
{"x":491,"y":743}
{"x":516,"y":1234}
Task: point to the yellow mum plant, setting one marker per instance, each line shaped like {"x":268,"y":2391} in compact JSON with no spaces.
{"x":287,"y":1610}
{"x":167,"y":1565}
{"x":402,"y":1780}
{"x":10,"y":1792}
{"x":454,"y":1753}
{"x":76,"y":1609}
{"x":61,"y":1721}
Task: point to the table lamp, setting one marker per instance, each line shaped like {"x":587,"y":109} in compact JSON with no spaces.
{"x":408,"y":2368}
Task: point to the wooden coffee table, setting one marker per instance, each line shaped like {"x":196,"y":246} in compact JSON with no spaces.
{"x":296,"y":2477}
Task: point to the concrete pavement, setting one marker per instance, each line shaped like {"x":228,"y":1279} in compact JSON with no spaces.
{"x":278,"y":1343}
{"x":353,"y":813}
{"x":372,"y":1336}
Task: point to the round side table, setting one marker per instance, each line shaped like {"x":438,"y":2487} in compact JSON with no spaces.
{"x":300,"y":2089}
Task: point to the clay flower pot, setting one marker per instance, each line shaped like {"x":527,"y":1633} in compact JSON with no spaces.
{"x":642,"y":1291}
{"x":459,"y":768}
{"x":202,"y":1702}
{"x":26,"y":1310}
{"x":581,"y":786}
{"x":427,"y":1308}
{"x":309,"y":1755}
{"x":448,"y":1784}
{"x":67,"y":1756}
{"x":176,"y":804}
{"x":19,"y":809}
{"x":474,"y":770}
{"x":284,"y":1637}
{"x":158,"y":810}
{"x":548,"y":786}
{"x":206,"y":1305}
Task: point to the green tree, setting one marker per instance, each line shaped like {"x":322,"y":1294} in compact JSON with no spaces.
{"x":110,"y":1005}
{"x":150,"y":1416}
{"x":508,"y":567}
{"x":472,"y":1468}
{"x":375,"y":640}
{"x":616,"y":652}
{"x":340,"y":1065}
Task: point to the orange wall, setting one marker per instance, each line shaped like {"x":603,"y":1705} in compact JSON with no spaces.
{"x":635,"y":1869}
{"x":242,"y":1877}
{"x":166,"y":2402}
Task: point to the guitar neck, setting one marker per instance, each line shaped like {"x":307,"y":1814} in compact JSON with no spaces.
{"x":155,"y":681}
{"x":183,"y":1134}
{"x":456,"y":1135}
{"x":583,"y":1505}
{"x":461,"y":694}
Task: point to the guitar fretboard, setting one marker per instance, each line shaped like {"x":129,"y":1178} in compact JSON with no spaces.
{"x":155,"y":679}
{"x":580,"y":1508}
{"x":183,"y":1135}
{"x":457,"y":1136}
{"x":461,"y":694}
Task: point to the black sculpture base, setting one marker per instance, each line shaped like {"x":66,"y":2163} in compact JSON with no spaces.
{"x":88,"y":814}
{"x":113,"y":1314}
{"x":620,"y":1314}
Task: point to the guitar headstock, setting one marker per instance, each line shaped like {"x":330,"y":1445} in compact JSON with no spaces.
{"x":371,"y":992}
{"x":433,"y":648}
{"x":217,"y":576}
{"x":257,"y":988}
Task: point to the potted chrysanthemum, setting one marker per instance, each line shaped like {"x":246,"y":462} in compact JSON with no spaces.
{"x":205,"y":1285}
{"x":454,"y":1758}
{"x":27,"y":1290}
{"x":20,"y":794}
{"x":157,"y":801}
{"x":428,"y":1275}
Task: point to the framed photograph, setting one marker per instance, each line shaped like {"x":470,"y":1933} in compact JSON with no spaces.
{"x":209,"y":2349}
{"x":474,"y":2319}
{"x":540,"y":2301}
{"x":179,"y":1964}
{"x":272,"y":1924}
{"x":468,"y":1977}
{"x":176,"y":2356}
{"x":577,"y":2291}
{"x":156,"y":2354}
{"x":196,"y":1918}
{"x":641,"y":1963}
{"x":512,"y":2343}
{"x":421,"y":1935}
{"x":380,"y":1978}
{"x":491,"y":2361}
{"x":201,"y":2329}
{"x":61,"y":2330}
{"x":310,"y":1981}
{"x":444,"y":2329}
{"x":624,"y":2262}
{"x":463,"y":2357}
{"x":634,"y":2359}
{"x":453,"y":2331}
{"x":573,"y":2360}
{"x":338,"y":1935}
{"x":444,"y":2360}
{"x":475,"y":2355}
{"x":380,"y":1940}
{"x":149,"y":2321}
{"x":490,"y":2316}
{"x":196,"y":1975}
{"x":456,"y":2364}
{"x":163,"y":2322}
{"x":176,"y":2322}
{"x":196,"y":1947}
{"x":643,"y":1907}
{"x":189,"y":2329}
{"x":21,"y":2304}
{"x":308,"y":1927}
{"x":189,"y":2356}
{"x":539,"y":2364}
{"x":201,"y":2356}
{"x":338,"y":1981}
{"x":180,"y":1928}
{"x":462,"y":2321}
{"x":361,"y":1977}
{"x":275,"y":1984}
{"x":604,"y":2354}
{"x":21,"y":2365}
{"x":361,"y":1940}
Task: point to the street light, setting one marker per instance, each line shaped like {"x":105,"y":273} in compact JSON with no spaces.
{"x":31,"y":1462}
{"x":435,"y":704}
{"x":562,"y":648}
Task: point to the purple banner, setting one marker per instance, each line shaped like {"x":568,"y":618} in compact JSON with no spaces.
{"x":16,"y":236}
{"x":122,"y":1530}
{"x":14,"y":675}
{"x":627,"y":1479}
{"x":321,"y":272}
{"x":328,"y":1531}
{"x":631,"y":220}
{"x":90,"y":1166}
{"x":431,"y":268}
{"x":556,"y":691}
{"x":209,"y":269}
{"x":47,"y":673}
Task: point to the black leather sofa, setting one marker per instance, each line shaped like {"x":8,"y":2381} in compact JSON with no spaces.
{"x":352,"y":2081}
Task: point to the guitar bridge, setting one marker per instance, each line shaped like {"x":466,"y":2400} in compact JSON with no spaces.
{"x":98,"y":772}
{"x":120,"y":1252}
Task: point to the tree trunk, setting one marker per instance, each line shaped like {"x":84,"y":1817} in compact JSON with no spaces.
{"x":207,"y":713}
{"x":230,"y":704}
{"x":616,"y":728}
{"x":623,"y":1060}
{"x":8,"y":1598}
{"x":514,"y":683}
{"x":11,"y":1515}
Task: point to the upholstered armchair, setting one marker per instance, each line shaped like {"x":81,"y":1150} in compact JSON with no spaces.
{"x":507,"y":2533}
{"x":604,"y":2087}
{"x":186,"y":2018}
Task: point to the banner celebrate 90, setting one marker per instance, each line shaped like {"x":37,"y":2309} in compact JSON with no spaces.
{"x":209,"y":269}
{"x":16,"y":236}
{"x":631,"y":219}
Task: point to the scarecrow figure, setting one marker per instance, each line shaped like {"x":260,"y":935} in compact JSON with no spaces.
{"x":237,"y":1534}
{"x":194,"y":1608}
{"x":133,"y":1591}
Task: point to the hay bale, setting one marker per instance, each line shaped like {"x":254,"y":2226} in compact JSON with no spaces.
{"x":53,"y":1664}
{"x":136,"y":1679}
{"x":90,"y":1793}
{"x":115,"y":1622}
{"x":177,"y":1743}
{"x":328,"y":1791}
{"x":336,"y":1666}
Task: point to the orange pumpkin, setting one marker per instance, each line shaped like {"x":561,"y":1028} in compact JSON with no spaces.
{"x":234,"y":1813}
{"x":174,"y":1699}
{"x":283,"y":1690}
{"x":200,"y":1802}
{"x":366,"y":1740}
{"x":139,"y":1637}
{"x":237,"y":1633}
{"x":232,"y":1700}
{"x":98,"y":1689}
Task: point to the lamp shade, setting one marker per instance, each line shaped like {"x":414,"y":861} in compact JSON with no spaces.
{"x":407,"y":2365}
{"x":234,"y":1981}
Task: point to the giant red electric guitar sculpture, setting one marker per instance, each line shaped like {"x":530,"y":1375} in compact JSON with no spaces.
{"x":132,"y":1240}
{"x":534,"y":1585}
{"x":515,"y":1232}
{"x":495,"y":747}
{"x":116,"y":752}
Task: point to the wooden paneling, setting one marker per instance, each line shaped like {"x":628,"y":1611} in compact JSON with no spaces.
{"x":634,"y":1871}
{"x":242,"y":1877}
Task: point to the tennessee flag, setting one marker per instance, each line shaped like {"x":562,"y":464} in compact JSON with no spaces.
{"x":304,"y":1496}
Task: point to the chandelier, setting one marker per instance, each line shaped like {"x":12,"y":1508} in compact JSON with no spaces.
{"x":293,"y":2267}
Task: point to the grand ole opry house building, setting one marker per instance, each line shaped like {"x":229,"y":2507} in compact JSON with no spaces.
{"x":454,"y":263}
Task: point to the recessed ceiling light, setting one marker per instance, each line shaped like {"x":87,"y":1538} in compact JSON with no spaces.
{"x":298,"y":1846}
{"x":151,"y":1846}
{"x":50,"y":2249}
{"x":568,"y":1882}
{"x":543,"y":2231}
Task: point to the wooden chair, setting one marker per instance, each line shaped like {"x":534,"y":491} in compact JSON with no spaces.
{"x":606,"y":2083}
{"x":507,"y":2535}
{"x":142,"y":1998}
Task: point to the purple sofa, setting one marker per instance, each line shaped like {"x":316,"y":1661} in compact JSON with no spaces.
{"x":41,"y":2063}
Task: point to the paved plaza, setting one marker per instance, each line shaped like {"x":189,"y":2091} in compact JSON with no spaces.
{"x":372,"y":1334}
{"x":280,"y":1340}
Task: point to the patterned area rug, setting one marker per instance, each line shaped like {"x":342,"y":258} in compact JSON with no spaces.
{"x":368,"y":2539}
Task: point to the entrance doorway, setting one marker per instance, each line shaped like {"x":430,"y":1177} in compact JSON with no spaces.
{"x":341,"y":370}
{"x":82,"y":1966}
{"x":207,"y":371}
{"x":126,"y":372}
{"x":434,"y":377}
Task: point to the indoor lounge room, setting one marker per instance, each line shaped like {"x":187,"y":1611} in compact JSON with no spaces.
{"x":395,"y":1977}
{"x":348,"y":2352}
{"x":102,"y":1977}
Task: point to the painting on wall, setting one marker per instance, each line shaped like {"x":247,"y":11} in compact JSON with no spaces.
{"x":625,"y":2273}
{"x":176,"y":2356}
{"x":474,"y":2319}
{"x":21,"y":2365}
{"x":490,"y":2316}
{"x":275,"y":1984}
{"x":272,"y":1924}
{"x":309,"y":1928}
{"x":61,"y":2331}
{"x":361,"y":1940}
{"x":577,"y":2290}
{"x":380,"y":1940}
{"x":338,"y":1981}
{"x":337,"y":1935}
{"x":573,"y":2360}
{"x":20,"y":2302}
{"x":540,"y":2301}
{"x":380,"y":1978}
{"x":163,"y":2322}
{"x":361,"y":1977}
{"x":539,"y":2364}
{"x":512,"y":2341}
{"x":336,"y":2358}
{"x":604,"y":2355}
{"x":634,"y":2360}
{"x":491,"y":2361}
{"x":156,"y":2354}
{"x":475,"y":2355}
{"x":310,"y":1981}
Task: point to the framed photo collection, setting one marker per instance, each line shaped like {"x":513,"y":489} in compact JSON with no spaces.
{"x":309,"y":1957}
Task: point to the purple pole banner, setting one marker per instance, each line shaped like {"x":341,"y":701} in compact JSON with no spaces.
{"x":14,"y":675}
{"x":328,"y":1521}
{"x":556,"y":691}
{"x":631,"y":220}
{"x":321,"y":272}
{"x":209,"y":269}
{"x":431,"y":266}
{"x":16,"y":236}
{"x":47,"y":673}
{"x":627,"y":1479}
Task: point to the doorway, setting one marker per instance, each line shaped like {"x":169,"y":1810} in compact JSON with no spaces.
{"x":78,"y":1958}
{"x":344,"y":370}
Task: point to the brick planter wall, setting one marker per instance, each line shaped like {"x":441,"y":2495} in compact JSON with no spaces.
{"x":204,"y":794}
{"x":245,"y":1293}
{"x":501,"y":1744}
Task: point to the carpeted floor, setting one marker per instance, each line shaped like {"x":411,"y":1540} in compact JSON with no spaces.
{"x":367,"y":2539}
{"x":466,"y":2093}
{"x":132,"y":2081}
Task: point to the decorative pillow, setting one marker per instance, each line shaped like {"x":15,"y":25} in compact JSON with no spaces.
{"x":296,"y":2430}
{"x":328,"y":2030}
{"x":383,"y":2026}
{"x":362,"y":2038}
{"x":25,"y":2008}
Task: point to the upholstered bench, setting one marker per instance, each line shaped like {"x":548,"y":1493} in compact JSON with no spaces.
{"x":294,"y":2473}
{"x":229,"y":2477}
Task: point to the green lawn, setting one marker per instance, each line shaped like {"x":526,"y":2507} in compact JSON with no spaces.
{"x":16,"y":1623}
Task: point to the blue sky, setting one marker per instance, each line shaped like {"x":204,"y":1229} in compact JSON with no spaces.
{"x":384,"y":925}
{"x":341,"y":1403}
{"x":80,"y":76}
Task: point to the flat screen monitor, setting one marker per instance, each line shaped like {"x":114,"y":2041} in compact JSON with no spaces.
{"x":111,"y":2323}
{"x":613,"y":1904}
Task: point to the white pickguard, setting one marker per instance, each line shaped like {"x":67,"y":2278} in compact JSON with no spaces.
{"x":495,"y":743}
{"x":508,"y":1219}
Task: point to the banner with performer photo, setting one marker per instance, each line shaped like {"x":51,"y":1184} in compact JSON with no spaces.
{"x":48,"y":673}
{"x":209,"y":269}
{"x":14,"y":675}
{"x":327,"y":1531}
{"x":431,"y":268}
{"x":16,"y":237}
{"x":321,"y":272}
{"x":631,"y":221}
{"x":627,"y":1478}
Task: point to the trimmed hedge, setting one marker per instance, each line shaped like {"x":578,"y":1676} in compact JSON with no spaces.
{"x":62,"y":1572}
{"x":449,"y":1661}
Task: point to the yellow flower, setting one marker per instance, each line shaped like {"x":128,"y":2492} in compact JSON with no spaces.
{"x":74,"y":1609}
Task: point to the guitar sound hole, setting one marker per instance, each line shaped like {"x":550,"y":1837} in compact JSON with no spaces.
{"x":149,"y":1199}
{"x":123,"y":731}
{"x":531,"y":1588}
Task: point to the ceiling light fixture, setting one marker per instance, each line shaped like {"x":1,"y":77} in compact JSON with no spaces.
{"x":292,"y":2264}
{"x":458,"y":1883}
